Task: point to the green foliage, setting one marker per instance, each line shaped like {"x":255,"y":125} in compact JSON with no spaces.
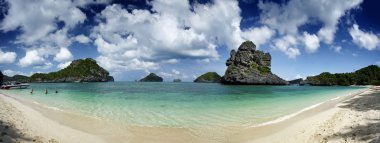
{"x":366,"y":76}
{"x":210,"y":77}
{"x":77,"y":69}
{"x":264,"y":70}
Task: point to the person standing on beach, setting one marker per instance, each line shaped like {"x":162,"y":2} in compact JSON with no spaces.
{"x":46,"y":91}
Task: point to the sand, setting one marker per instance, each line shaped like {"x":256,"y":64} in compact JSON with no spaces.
{"x":350,"y":118}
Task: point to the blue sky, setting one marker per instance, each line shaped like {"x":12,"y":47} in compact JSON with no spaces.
{"x":184,"y":39}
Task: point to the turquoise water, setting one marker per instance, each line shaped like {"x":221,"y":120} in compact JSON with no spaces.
{"x":179,"y":105}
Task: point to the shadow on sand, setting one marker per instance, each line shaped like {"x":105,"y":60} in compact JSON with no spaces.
{"x":9,"y":134}
{"x":363,"y":133}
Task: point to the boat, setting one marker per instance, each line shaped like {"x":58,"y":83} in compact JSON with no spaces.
{"x":16,"y":85}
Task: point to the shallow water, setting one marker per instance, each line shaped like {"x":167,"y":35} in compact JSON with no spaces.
{"x":180,"y":105}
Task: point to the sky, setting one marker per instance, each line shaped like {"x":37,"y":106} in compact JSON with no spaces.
{"x":184,"y":39}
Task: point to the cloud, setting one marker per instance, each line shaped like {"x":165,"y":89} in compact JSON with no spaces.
{"x":43,"y":25}
{"x":355,"y":54}
{"x":259,"y":35}
{"x":287,"y":44}
{"x":10,"y":72}
{"x":63,"y":65}
{"x":7,"y":57}
{"x":170,"y":30}
{"x":32,"y":58}
{"x":298,"y":76}
{"x":378,"y":63}
{"x":363,"y":39}
{"x":171,"y":61}
{"x":336,"y":49}
{"x":173,"y":74}
{"x":63,"y":55}
{"x":82,"y":39}
{"x":287,"y":17}
{"x":311,"y":42}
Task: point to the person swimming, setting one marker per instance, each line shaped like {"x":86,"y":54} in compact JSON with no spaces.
{"x":31,"y":92}
{"x":56,"y":91}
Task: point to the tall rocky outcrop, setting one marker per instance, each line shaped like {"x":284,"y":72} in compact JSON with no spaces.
{"x":250,"y":66}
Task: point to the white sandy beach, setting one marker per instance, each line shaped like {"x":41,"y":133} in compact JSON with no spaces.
{"x":353,"y":118}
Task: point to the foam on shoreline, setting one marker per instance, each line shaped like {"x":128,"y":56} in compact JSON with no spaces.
{"x":289,"y":116}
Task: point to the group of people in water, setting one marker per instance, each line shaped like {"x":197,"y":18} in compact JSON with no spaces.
{"x":46,"y":91}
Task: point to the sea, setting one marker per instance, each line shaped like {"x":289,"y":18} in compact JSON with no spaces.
{"x":195,"y":106}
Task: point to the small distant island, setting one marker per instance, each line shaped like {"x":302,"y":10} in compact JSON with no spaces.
{"x":250,"y":66}
{"x":177,"y":80}
{"x":81,"y":70}
{"x":152,"y":77}
{"x":209,"y":77}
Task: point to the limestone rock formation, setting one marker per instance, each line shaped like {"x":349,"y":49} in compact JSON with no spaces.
{"x":210,"y":77}
{"x":152,"y":77}
{"x":250,"y":66}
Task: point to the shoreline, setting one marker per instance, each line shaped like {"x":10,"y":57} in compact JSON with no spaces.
{"x":263,"y":133}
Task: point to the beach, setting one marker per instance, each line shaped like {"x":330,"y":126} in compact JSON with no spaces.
{"x":349,"y":118}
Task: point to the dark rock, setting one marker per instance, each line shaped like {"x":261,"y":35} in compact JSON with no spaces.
{"x":1,"y":77}
{"x":177,"y":80}
{"x":152,"y":77}
{"x":210,"y":77}
{"x":296,"y":81}
{"x":250,"y":66}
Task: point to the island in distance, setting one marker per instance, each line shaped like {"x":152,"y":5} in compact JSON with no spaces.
{"x":250,"y":66}
{"x":210,"y":77}
{"x":152,"y":77}
{"x":81,"y":70}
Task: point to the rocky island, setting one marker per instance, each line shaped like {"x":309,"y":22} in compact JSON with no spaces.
{"x":152,"y":77}
{"x":81,"y":70}
{"x":250,"y":66}
{"x":210,"y":77}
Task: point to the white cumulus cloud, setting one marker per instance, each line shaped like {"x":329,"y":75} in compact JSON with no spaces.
{"x":363,"y":39}
{"x":7,"y":57}
{"x":63,"y":55}
{"x":170,"y":30}
{"x":311,"y":42}
{"x":289,"y":16}
{"x":288,"y":45}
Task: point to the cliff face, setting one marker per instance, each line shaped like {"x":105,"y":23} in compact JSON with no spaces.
{"x":152,"y":77}
{"x":82,"y":70}
{"x":250,"y":66}
{"x":210,"y":77}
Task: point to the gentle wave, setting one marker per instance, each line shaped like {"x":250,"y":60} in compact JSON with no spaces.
{"x":283,"y":118}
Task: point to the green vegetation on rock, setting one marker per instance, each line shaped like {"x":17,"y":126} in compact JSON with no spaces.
{"x":82,"y":70}
{"x":152,"y":77}
{"x":369,"y":75}
{"x":209,"y":77}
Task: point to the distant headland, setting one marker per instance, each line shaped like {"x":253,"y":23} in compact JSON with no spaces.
{"x":81,"y":70}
